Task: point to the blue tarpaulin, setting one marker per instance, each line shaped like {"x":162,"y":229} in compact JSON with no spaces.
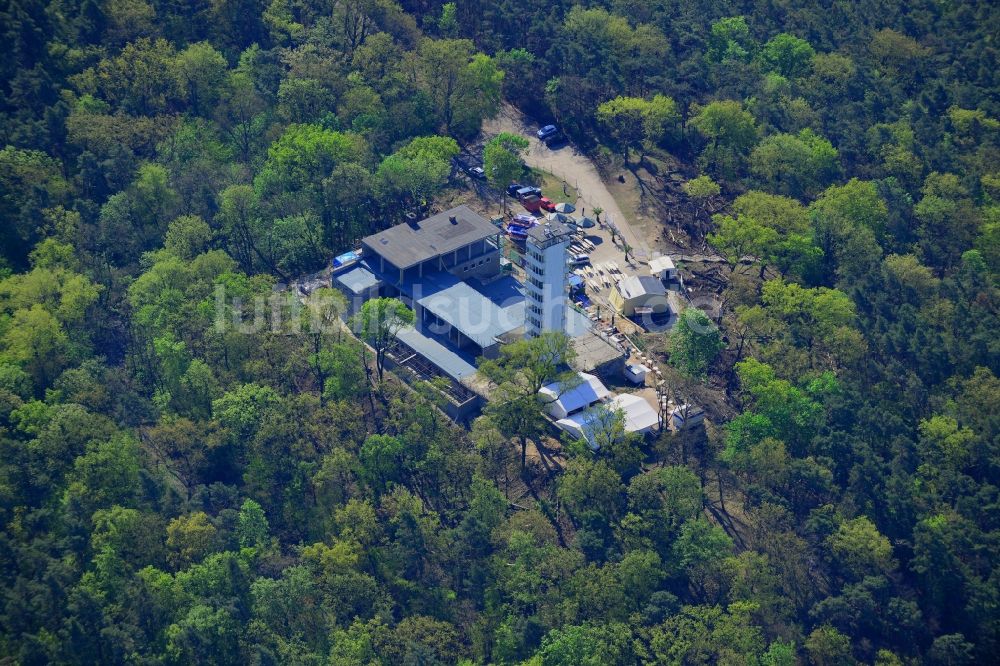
{"x":346,"y":258}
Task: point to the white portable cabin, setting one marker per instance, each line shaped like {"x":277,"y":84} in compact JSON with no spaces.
{"x":636,"y":373}
{"x":663,"y":267}
{"x":686,"y":416}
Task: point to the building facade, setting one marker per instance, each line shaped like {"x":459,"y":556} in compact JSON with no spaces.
{"x":457,"y":241}
{"x":546,"y":280}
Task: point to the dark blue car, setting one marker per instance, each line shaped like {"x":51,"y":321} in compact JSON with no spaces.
{"x":548,"y":132}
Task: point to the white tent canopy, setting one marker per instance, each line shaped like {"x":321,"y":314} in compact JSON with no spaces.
{"x":639,"y":416}
{"x":564,"y":399}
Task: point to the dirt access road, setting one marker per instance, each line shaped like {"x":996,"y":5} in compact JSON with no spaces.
{"x":571,"y":166}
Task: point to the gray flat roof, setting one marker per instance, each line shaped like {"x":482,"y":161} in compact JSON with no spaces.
{"x":410,"y":243}
{"x":359,"y":278}
{"x":593,"y":351}
{"x":544,"y":231}
{"x":482,"y":315}
{"x":641,"y":285}
{"x":577,"y":323}
{"x":443,"y":358}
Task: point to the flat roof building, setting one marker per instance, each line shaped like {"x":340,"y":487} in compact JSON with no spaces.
{"x":594,"y":352}
{"x":686,"y":416}
{"x":447,"y":269}
{"x":448,"y":241}
{"x":639,"y":294}
{"x":545,"y":284}
{"x":636,"y":373}
{"x":358,"y":283}
{"x":663,"y":268}
{"x":469,"y":313}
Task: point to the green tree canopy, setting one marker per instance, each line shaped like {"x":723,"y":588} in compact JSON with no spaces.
{"x":730,"y":39}
{"x":787,"y":55}
{"x":502,"y":160}
{"x":694,"y":342}
{"x":730,"y":132}
{"x":794,"y":165}
{"x":702,"y":187}
{"x":634,"y":122}
{"x":377,"y":323}
{"x":418,"y":170}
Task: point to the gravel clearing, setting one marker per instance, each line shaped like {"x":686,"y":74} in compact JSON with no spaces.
{"x":570,"y":165}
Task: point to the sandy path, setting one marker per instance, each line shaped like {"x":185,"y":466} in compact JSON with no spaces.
{"x":573,"y":167}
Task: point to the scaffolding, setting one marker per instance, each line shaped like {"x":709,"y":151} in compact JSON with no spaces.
{"x":420,"y":369}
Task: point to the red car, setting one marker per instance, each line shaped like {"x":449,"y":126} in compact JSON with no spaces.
{"x":546,"y":204}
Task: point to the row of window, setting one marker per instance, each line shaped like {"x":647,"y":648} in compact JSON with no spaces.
{"x":466,"y":269}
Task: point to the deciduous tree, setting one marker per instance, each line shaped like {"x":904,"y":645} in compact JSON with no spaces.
{"x":795,"y":165}
{"x":730,"y":132}
{"x":377,"y":324}
{"x":634,"y":122}
{"x":502,"y":161}
{"x":694,"y":342}
{"x":788,"y":55}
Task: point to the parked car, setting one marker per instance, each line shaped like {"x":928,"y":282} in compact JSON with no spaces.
{"x":531,"y":203}
{"x":513,"y":189}
{"x":548,"y":132}
{"x":528,"y":191}
{"x":546,"y":204}
{"x":579,"y":259}
{"x":476,"y":172}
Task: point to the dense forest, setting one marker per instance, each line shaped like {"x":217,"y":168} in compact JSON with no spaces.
{"x":176,"y":491}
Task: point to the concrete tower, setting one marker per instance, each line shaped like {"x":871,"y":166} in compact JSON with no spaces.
{"x":545,"y":287}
